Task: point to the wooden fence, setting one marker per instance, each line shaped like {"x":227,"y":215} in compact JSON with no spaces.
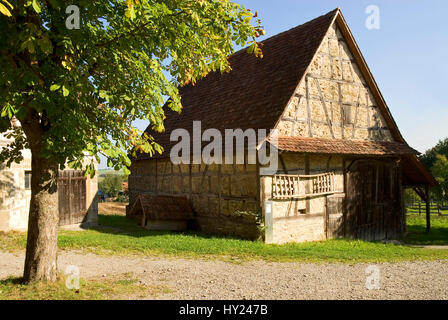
{"x":421,"y":206}
{"x":72,"y":190}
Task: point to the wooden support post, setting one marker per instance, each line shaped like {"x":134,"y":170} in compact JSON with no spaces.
{"x":404,"y":214}
{"x":428,"y":209}
{"x":307,"y":184}
{"x":282,"y":162}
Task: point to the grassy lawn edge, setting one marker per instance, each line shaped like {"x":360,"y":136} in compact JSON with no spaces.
{"x":117,"y":235}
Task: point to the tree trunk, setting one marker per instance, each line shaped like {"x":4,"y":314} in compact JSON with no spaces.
{"x":42,"y":246}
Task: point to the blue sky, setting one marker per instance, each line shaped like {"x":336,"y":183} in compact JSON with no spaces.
{"x":407,"y":55}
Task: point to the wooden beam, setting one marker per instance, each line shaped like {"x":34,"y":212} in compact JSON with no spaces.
{"x":220,"y":188}
{"x":307,"y":184}
{"x":282,"y":162}
{"x":296,"y":114}
{"x":355,"y":123}
{"x":421,"y":193}
{"x":403,"y":226}
{"x":324,"y":105}
{"x":308,"y":108}
{"x":341,"y":111}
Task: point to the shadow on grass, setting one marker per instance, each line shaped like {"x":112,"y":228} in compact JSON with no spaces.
{"x":12,"y":281}
{"x":118,"y":224}
{"x":417,"y":230}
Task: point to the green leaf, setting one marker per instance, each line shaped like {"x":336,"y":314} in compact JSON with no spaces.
{"x":130,"y":13}
{"x":251,"y":49}
{"x":5,"y":10}
{"x":65,"y":91}
{"x":10,"y":5}
{"x":36,"y":6}
{"x":7,"y":110}
{"x":46,"y":45}
{"x":55,"y":87}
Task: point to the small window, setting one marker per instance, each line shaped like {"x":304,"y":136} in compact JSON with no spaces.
{"x":27,"y":179}
{"x":348,"y":114}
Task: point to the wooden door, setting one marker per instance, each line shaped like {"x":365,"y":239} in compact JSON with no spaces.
{"x":72,"y":197}
{"x":373,"y":202}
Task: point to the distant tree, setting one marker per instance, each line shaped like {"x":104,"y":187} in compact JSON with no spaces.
{"x":410,"y":196}
{"x":125,"y":176}
{"x":430,"y":156}
{"x":440,"y":172}
{"x":111,"y":184}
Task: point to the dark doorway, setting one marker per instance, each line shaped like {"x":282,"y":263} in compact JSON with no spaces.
{"x":373,"y":202}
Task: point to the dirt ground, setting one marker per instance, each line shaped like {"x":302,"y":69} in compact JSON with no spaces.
{"x":112,"y":208}
{"x":202,"y":279}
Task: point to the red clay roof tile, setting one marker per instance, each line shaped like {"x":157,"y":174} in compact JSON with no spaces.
{"x":162,"y":207}
{"x":343,"y":147}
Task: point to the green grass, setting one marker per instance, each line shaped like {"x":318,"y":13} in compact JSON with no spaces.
{"x":109,"y":288}
{"x":414,"y":210}
{"x":122,"y":236}
{"x":417,"y":228}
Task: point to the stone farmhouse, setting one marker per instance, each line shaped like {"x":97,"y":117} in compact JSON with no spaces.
{"x":343,"y":163}
{"x":77,"y":195}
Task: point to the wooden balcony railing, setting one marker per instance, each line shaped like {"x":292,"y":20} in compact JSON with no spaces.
{"x":287,"y":186}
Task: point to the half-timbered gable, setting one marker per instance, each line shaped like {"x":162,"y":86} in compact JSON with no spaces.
{"x":333,"y":100}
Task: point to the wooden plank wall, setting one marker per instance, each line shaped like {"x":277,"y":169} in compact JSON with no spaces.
{"x":373,"y":203}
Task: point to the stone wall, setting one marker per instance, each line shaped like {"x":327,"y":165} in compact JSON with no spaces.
{"x":91,"y":196}
{"x":333,"y":99}
{"x":303,"y":219}
{"x":14,"y":197}
{"x":218,"y":193}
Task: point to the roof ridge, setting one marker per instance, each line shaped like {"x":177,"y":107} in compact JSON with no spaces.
{"x":277,"y":35}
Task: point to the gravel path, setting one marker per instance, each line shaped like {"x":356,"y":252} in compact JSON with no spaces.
{"x":204,"y":279}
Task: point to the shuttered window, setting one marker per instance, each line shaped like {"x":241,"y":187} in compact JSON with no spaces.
{"x":27,"y":179}
{"x":347,"y":114}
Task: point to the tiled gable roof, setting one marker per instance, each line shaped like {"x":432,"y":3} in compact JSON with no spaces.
{"x":255,"y":93}
{"x":162,"y":207}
